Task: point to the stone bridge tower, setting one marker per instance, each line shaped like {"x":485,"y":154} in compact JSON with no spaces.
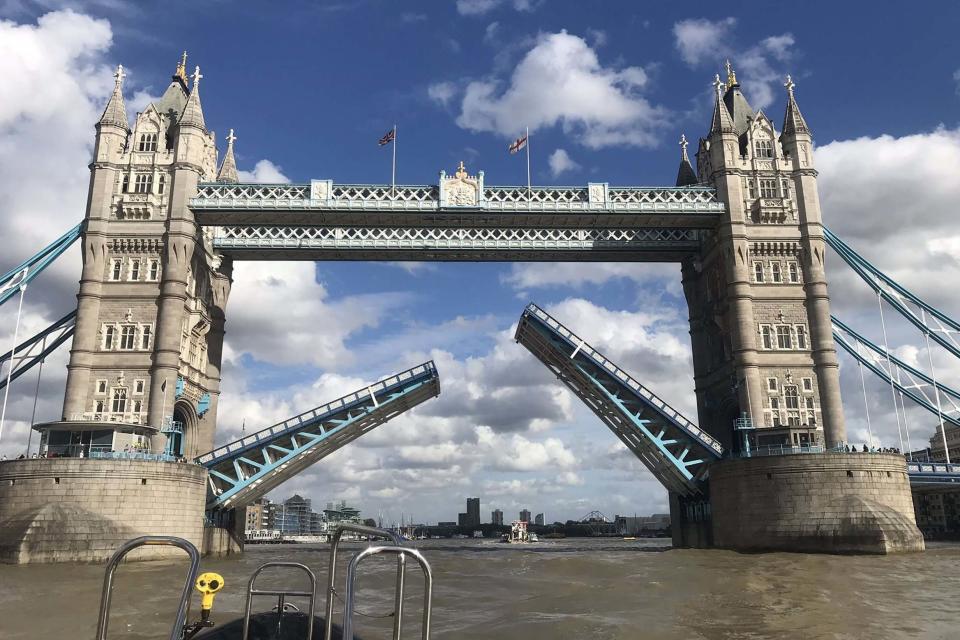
{"x":146,"y":354}
{"x":763,"y":351}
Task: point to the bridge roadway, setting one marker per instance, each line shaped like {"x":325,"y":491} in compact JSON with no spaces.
{"x":326,"y":221}
{"x":247,"y":469}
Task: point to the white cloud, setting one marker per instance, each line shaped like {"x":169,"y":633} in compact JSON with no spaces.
{"x":264,"y":171}
{"x":560,"y":81}
{"x":561,"y":162}
{"x":442,"y":92}
{"x":481,"y":7}
{"x":700,"y":39}
{"x":536,"y":275}
{"x":760,"y":67}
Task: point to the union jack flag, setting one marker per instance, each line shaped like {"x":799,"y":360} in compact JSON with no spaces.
{"x":388,"y":137}
{"x":518,"y":144}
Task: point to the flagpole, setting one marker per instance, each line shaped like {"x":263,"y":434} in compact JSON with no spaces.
{"x":529,"y":189}
{"x":393,"y":172}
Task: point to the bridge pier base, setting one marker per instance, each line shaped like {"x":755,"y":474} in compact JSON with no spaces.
{"x":814,"y":503}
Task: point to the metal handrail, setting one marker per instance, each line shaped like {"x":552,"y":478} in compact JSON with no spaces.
{"x":317,"y":412}
{"x":332,"y":572}
{"x":401,"y":552}
{"x":581,"y":346}
{"x":281,"y":596}
{"x":106,"y":595}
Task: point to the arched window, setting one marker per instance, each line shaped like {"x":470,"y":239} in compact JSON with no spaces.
{"x":109,"y":337}
{"x":128,"y":335}
{"x":763,"y":149}
{"x":148,"y":142}
{"x":118,"y":403}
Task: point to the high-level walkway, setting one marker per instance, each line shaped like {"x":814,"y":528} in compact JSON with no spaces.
{"x":459,"y":219}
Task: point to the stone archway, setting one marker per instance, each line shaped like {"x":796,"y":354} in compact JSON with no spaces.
{"x":185,"y":442}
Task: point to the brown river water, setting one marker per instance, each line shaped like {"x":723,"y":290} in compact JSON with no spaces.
{"x":573,"y":588}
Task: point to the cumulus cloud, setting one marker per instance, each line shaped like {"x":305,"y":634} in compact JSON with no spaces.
{"x":761,"y":66}
{"x":561,"y":162}
{"x":264,"y":171}
{"x":442,"y":92}
{"x":560,"y":81}
{"x":700,"y":39}
{"x":893,"y":200}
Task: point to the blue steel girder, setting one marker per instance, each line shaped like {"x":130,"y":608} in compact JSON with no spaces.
{"x":22,"y":274}
{"x":909,"y":381}
{"x":245,"y":470}
{"x":35,"y":349}
{"x":932,"y":322}
{"x":674,"y":449}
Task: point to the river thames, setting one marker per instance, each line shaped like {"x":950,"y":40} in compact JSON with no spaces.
{"x":573,"y":588}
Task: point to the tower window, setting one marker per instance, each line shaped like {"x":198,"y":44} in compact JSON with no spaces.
{"x":116,"y":269}
{"x":758,"y":272}
{"x":135,"y":269}
{"x":98,"y":406}
{"x":101,"y":386}
{"x":118,"y":402}
{"x":148,"y":142}
{"x":783,"y":337}
{"x":792,"y":397}
{"x":766,"y":336}
{"x":125,"y":188}
{"x":145,"y":337}
{"x":143,"y":183}
{"x":109,"y":337}
{"x":763,"y":149}
{"x":775,"y":274}
{"x":808,"y":384}
{"x":793,"y":272}
{"x":154,"y":273}
{"x":128,"y":333}
{"x":753,"y":188}
{"x":772,"y":386}
{"x":137,"y":406}
{"x":768,"y":188}
{"x":801,"y":337}
{"x":161,"y":183}
{"x":138,"y":386}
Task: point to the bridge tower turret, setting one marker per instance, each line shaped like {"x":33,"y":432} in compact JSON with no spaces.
{"x":148,"y":342}
{"x":764,"y":361}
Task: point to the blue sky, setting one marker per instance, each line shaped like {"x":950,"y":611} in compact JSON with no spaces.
{"x":310,"y":87}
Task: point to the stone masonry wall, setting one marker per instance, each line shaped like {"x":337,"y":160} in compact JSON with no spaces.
{"x":830,"y":502}
{"x":70,"y":509}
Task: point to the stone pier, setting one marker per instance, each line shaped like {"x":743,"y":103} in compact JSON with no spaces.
{"x":81,"y":509}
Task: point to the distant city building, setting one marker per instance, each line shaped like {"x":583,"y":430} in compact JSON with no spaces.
{"x":298,"y":513}
{"x":258,"y":515}
{"x":539,"y":519}
{"x":633,"y":525}
{"x":473,"y":512}
{"x":446,"y":524}
{"x":462,"y":520}
{"x":525,"y":515}
{"x":496,"y":517}
{"x":953,"y":444}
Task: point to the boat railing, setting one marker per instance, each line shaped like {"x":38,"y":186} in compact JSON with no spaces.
{"x":402,"y":553}
{"x":370,"y":532}
{"x":106,"y":595}
{"x":282,"y":594}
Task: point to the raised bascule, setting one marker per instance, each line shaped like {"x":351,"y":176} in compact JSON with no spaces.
{"x":134,"y":450}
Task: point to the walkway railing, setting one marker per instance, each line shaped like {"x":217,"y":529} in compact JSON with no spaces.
{"x":297,"y":421}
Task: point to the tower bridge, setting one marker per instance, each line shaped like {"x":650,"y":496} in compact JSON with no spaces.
{"x":167,"y":216}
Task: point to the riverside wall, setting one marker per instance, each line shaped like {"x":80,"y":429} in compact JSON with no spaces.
{"x":81,"y":509}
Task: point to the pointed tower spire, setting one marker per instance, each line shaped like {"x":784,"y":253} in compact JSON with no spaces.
{"x":192,"y":112}
{"x":722,"y":122}
{"x":793,"y":122}
{"x":731,"y":74}
{"x":228,"y":169}
{"x":686,"y":176}
{"x":116,"y":112}
{"x":181,"y":71}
